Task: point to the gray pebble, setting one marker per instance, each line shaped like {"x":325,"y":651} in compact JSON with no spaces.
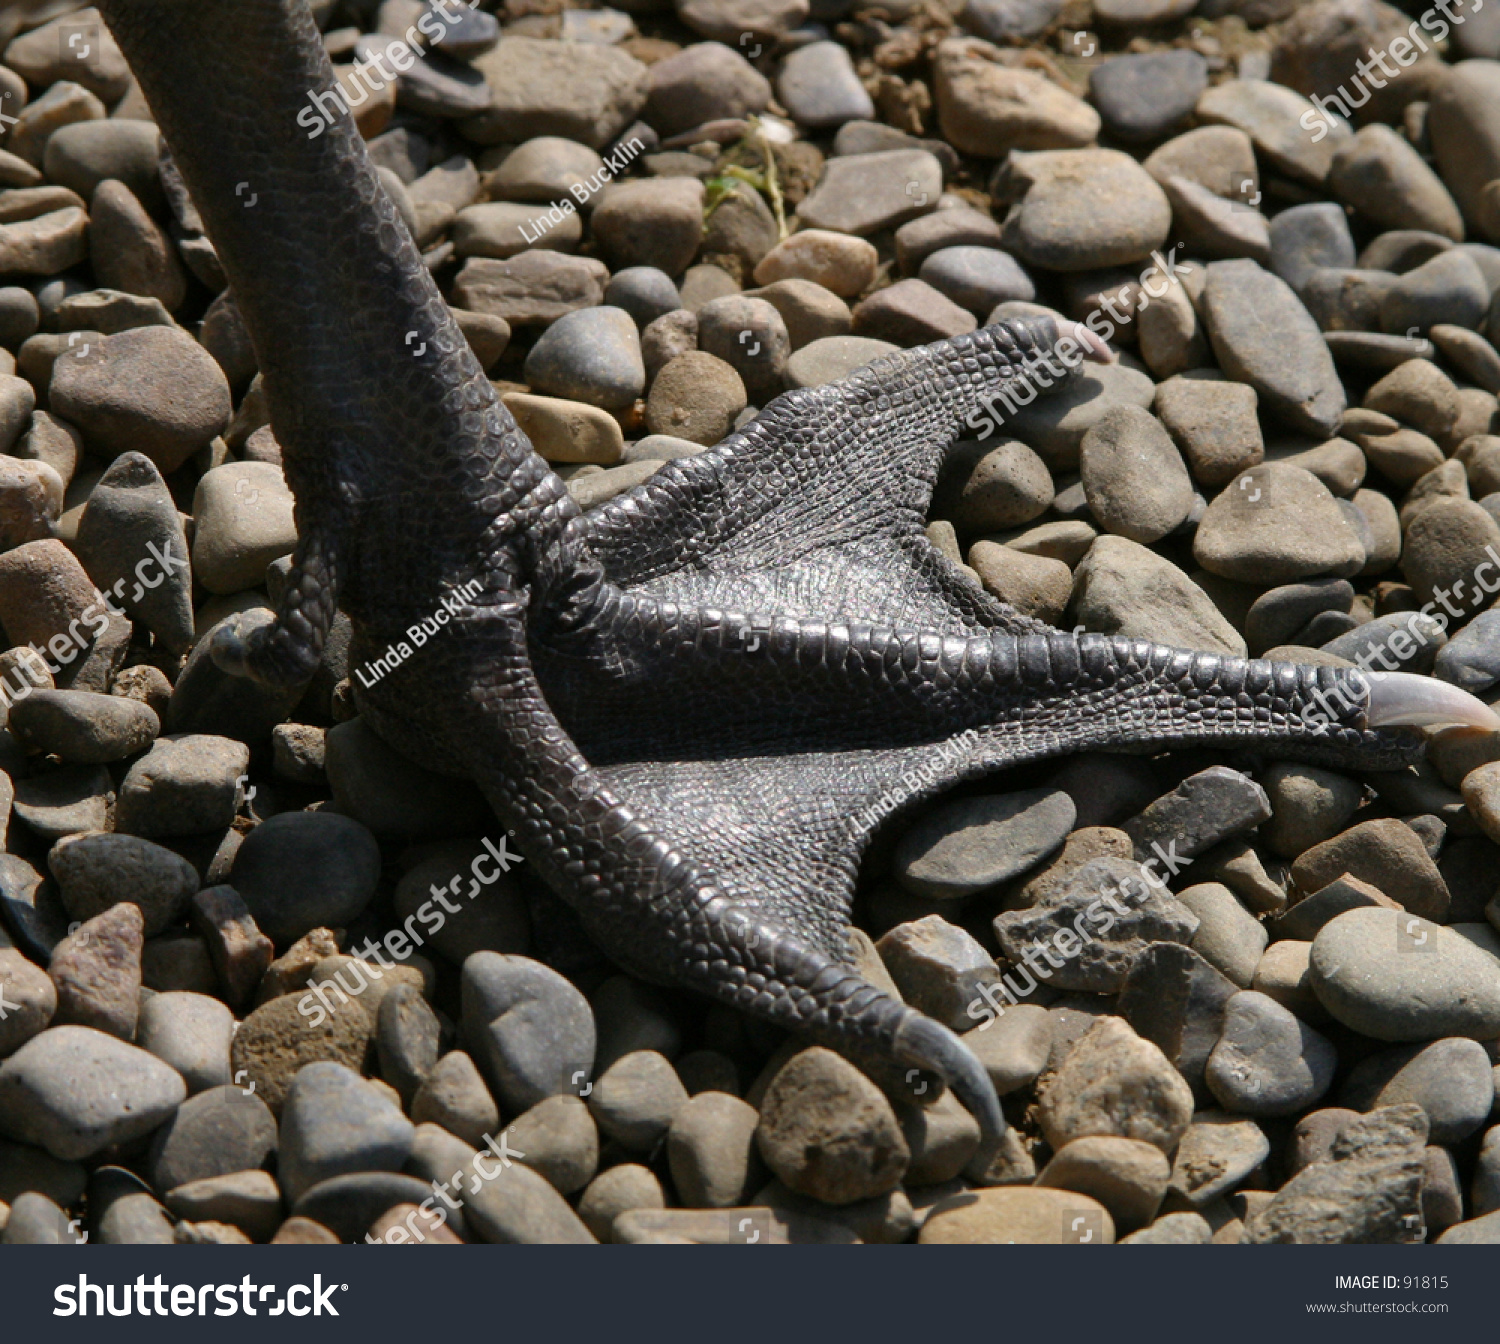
{"x":1451,"y":1080}
{"x":1397,"y":977}
{"x":1267,"y":1063}
{"x":305,"y":870}
{"x":334,"y":1123}
{"x":529,"y":1029}
{"x":221,"y":1130}
{"x":191,"y":1032}
{"x":75,"y":1091}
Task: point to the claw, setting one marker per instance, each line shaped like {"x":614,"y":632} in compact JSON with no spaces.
{"x":1400,"y":699}
{"x":929,"y":1045}
{"x":1095,"y":350}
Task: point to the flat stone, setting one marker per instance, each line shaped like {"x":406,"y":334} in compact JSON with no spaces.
{"x":1448,"y":289}
{"x":1272,"y":116}
{"x":248,"y":1200}
{"x":1027,"y":1216}
{"x":977,"y":843}
{"x":1112,"y":895}
{"x":1388,"y":855}
{"x":1217,"y":1153}
{"x":1124,"y":588}
{"x":989,"y":108}
{"x":1369,"y":1191}
{"x":1055,"y":425}
{"x":532,"y":289}
{"x":865,"y":193}
{"x":1013,"y":1044}
{"x":636,"y":1098}
{"x":153,"y":389}
{"x":1293,"y":374}
{"x":577,"y":90}
{"x":1451,"y":1080}
{"x":833,"y":358}
{"x":1173,"y":998}
{"x":1277,"y":523}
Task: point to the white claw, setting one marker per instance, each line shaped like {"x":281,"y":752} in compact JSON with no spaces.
{"x":1401,"y":699}
{"x":1094,"y":348}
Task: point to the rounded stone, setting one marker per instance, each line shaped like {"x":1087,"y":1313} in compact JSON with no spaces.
{"x":697,"y":397}
{"x":191,"y":1032}
{"x":75,"y":1092}
{"x":644,"y":292}
{"x":1081,"y":209}
{"x":280,"y":1036}
{"x":97,"y":870}
{"x":616,"y":1191}
{"x":1266,"y":1062}
{"x":636,"y":1100}
{"x":152,"y":389}
{"x":1396,"y":977}
{"x":977,"y":278}
{"x":828,"y":1132}
{"x":1127,"y":1176}
{"x":334,"y":1124}
{"x":592,"y":355}
{"x":842,"y":264}
{"x":530,"y":1030}
{"x":83,"y":727}
{"x":299,"y":871}
{"x":1134,"y":478}
{"x":711,"y":1151}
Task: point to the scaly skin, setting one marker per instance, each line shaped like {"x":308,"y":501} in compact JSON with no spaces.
{"x":694,"y":704}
